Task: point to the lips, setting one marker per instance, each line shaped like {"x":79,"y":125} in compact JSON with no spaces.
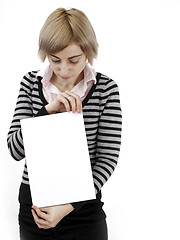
{"x":64,"y":77}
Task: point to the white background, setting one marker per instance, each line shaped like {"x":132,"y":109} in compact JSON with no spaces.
{"x":140,"y":50}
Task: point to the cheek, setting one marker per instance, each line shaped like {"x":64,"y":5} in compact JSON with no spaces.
{"x":77,"y":71}
{"x":55,"y":68}
{"x":80,"y":67}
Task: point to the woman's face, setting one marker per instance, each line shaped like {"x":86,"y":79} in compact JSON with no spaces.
{"x":68,"y":64}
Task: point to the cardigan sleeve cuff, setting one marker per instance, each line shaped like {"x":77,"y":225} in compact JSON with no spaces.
{"x":78,"y":205}
{"x":42,"y":112}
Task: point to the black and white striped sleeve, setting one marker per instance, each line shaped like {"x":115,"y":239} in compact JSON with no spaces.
{"x":108,"y":136}
{"x":23,"y":109}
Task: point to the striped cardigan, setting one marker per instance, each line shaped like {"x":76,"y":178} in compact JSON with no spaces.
{"x":102,"y":118}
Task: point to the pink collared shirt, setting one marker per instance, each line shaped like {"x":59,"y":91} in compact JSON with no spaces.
{"x":50,"y":91}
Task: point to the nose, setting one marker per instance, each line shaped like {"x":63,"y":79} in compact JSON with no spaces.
{"x":64,"y":69}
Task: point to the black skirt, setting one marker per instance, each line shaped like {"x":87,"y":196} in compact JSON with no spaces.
{"x":88,"y":223}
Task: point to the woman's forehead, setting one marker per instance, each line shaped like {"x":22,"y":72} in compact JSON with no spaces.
{"x":71,"y":51}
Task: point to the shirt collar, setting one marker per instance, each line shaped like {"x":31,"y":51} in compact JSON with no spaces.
{"x":89,"y":75}
{"x":46,"y":73}
{"x":82,"y":86}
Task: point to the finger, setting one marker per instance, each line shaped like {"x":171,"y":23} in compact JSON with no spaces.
{"x":66,"y":103}
{"x":39,"y":214}
{"x":35,"y":217}
{"x":72,"y":102}
{"x":40,"y":225}
{"x":39,"y":222}
{"x":78,"y":102}
{"x":45,"y":209}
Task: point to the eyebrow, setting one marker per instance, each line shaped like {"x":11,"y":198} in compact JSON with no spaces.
{"x":68,"y":58}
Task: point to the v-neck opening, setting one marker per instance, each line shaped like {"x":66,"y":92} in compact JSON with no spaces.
{"x":85,"y":100}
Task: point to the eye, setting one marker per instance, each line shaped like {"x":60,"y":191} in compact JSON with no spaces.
{"x":74,"y":62}
{"x":55,"y":61}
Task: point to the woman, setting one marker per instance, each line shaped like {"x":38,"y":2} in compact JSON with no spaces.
{"x":68,"y":83}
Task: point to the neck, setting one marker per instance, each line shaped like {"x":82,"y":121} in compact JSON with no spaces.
{"x":62,"y":86}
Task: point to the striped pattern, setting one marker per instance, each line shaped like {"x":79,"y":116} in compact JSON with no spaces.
{"x":102,"y":118}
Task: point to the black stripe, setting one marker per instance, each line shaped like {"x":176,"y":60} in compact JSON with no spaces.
{"x":24,"y":91}
{"x":35,"y":89}
{"x":110,"y":159}
{"x":99,"y":180}
{"x":111,"y":87}
{"x":109,"y":135}
{"x":36,"y":102}
{"x":92,"y":150}
{"x":97,"y":189}
{"x":93,"y":104}
{"x":26,"y":179}
{"x":20,"y":133}
{"x":23,"y":95}
{"x":91,"y":110}
{"x":98,"y":97}
{"x":14,"y":127}
{"x":113,"y":94}
{"x":107,"y":148}
{"x":109,"y":141}
{"x":15,"y":120}
{"x":112,"y":108}
{"x":9,"y":133}
{"x":28,"y":80}
{"x":36,"y":109}
{"x":91,"y":129}
{"x":17,"y":150}
{"x":18,"y":142}
{"x":106,"y":163}
{"x":104,"y":168}
{"x":104,"y":77}
{"x":23,"y":108}
{"x":89,"y":116}
{"x":113,"y":100}
{"x":25,"y":172}
{"x":108,"y":154}
{"x":108,"y":80}
{"x":35,"y":95}
{"x":111,"y":121}
{"x":111,"y":115}
{"x":110,"y":128}
{"x":26,"y":86}
{"x":100,"y":173}
{"x":90,"y":135}
{"x":23,"y":114}
{"x":35,"y":71}
{"x":23,"y":102}
{"x":11,"y":151}
{"x":91,"y":122}
{"x":32,"y":75}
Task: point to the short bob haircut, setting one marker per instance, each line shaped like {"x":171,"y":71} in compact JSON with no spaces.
{"x":64,"y":27}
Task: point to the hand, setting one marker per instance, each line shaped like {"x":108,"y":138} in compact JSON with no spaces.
{"x":62,"y":104}
{"x":49,"y":217}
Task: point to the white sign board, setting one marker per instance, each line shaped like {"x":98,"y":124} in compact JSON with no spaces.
{"x":57,"y":159}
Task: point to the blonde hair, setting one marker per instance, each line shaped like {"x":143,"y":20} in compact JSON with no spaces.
{"x":63,"y":27}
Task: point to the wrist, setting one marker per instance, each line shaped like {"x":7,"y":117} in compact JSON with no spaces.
{"x":71,"y":207}
{"x":48,"y":109}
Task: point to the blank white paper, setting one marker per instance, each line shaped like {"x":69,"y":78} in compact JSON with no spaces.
{"x":57,"y":159}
